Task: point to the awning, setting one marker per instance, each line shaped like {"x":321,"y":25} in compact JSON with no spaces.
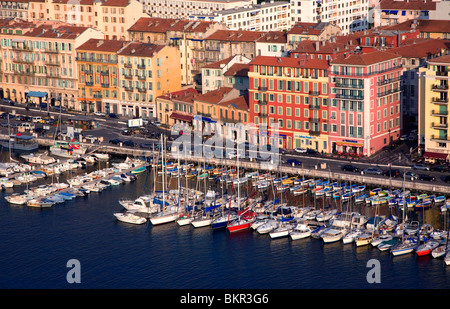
{"x":37,"y":94}
{"x":182,"y":117}
{"x":349,"y":144}
{"x":435,"y":155}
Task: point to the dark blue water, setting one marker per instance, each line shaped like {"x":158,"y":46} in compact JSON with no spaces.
{"x":36,"y":244}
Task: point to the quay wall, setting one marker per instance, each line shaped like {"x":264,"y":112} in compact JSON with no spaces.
{"x":320,"y":170}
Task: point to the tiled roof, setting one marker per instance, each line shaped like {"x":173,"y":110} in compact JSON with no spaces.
{"x":140,"y":49}
{"x":320,"y":47}
{"x":217,"y":64}
{"x":408,"y":5}
{"x":273,"y":37}
{"x":421,"y":48}
{"x":214,"y":96}
{"x":155,"y":24}
{"x":307,"y":28}
{"x":423,"y":25}
{"x":240,"y":102}
{"x":91,"y":2}
{"x":112,"y":46}
{"x":238,"y":69}
{"x":442,"y":59}
{"x":291,"y":62}
{"x":364,"y":59}
{"x":62,"y":32}
{"x":235,"y":35}
{"x":186,"y":95}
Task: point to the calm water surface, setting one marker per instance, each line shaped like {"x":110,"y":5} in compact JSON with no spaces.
{"x":36,"y":244}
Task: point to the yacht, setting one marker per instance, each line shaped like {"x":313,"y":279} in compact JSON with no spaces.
{"x":129,"y":218}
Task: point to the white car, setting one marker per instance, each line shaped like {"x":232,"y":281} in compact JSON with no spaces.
{"x":99,"y":114}
{"x":300,"y":150}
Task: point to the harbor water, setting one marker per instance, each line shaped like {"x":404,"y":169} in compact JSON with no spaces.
{"x":36,"y":245}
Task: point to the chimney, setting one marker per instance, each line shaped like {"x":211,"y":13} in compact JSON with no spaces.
{"x":100,"y":43}
{"x":317,"y":46}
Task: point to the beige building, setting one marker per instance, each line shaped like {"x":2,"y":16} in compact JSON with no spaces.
{"x":38,"y":64}
{"x":112,"y":17}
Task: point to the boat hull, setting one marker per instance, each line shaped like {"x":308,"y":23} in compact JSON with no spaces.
{"x":156,"y":220}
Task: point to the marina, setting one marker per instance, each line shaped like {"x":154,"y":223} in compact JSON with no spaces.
{"x":285,"y":209}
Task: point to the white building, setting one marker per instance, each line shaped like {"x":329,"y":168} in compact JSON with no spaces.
{"x":182,"y":9}
{"x":349,"y":15}
{"x":267,"y":16}
{"x":307,"y":11}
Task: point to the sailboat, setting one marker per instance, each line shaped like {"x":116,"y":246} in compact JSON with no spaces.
{"x":169,"y":213}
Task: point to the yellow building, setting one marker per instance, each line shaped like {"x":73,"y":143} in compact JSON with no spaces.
{"x":98,"y":75}
{"x":147,"y":71}
{"x":433,"y":108}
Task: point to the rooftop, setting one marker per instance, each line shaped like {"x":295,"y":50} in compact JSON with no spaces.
{"x":365,"y":59}
{"x":423,"y":25}
{"x":140,"y":49}
{"x":156,"y":24}
{"x":408,"y":5}
{"x":236,"y":35}
{"x":303,"y":62}
{"x":443,"y":59}
{"x":112,"y":46}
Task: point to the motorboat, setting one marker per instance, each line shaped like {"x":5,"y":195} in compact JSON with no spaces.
{"x":439,"y":251}
{"x":381,"y":238}
{"x":301,"y":230}
{"x":333,"y":234}
{"x":128,"y":217}
{"x":267,"y":227}
{"x":404,"y":247}
{"x":427,"y":247}
{"x":363,"y":239}
{"x":351,"y":236}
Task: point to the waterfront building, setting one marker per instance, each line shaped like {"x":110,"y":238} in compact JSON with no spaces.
{"x":213,"y":75}
{"x":176,"y":107}
{"x":415,"y":53}
{"x":292,"y":93}
{"x":187,"y":35}
{"x":319,"y":31}
{"x":184,"y":9}
{"x":146,"y":71}
{"x":265,"y":16}
{"x":391,"y":12}
{"x":112,"y":17}
{"x":38,"y":62}
{"x":98,"y":75}
{"x":221,"y":112}
{"x":364,"y":106}
{"x":434,"y":80}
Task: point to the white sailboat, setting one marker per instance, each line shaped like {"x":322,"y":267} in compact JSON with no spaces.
{"x":128,"y":217}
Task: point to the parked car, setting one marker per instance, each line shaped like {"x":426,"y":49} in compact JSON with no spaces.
{"x":7,"y":101}
{"x":420,"y":167}
{"x":439,"y":168}
{"x":427,"y":177}
{"x":372,"y":171}
{"x":112,"y":115}
{"x":37,"y":119}
{"x":100,"y":114}
{"x":115,"y":141}
{"x":59,"y":108}
{"x":128,"y":143}
{"x":350,"y":168}
{"x":300,"y":150}
{"x":447,"y":179}
{"x":412,"y":176}
{"x":293,"y":162}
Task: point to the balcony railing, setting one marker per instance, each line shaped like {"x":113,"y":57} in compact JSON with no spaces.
{"x":128,"y":88}
{"x":439,"y":112}
{"x":441,"y":73}
{"x":388,"y":81}
{"x":439,"y":87}
{"x":349,"y":97}
{"x":314,"y":132}
{"x":439,"y":101}
{"x":143,"y":90}
{"x":128,"y":76}
{"x":440,"y":138}
{"x":439,"y":126}
{"x":104,"y":73}
{"x":89,"y":83}
{"x":387,"y":92}
{"x":262,"y":102}
{"x":105,"y":85}
{"x":348,"y":85}
{"x":128,"y":65}
{"x":141,"y":66}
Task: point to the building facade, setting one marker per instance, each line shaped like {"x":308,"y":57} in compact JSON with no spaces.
{"x":365,"y":110}
{"x":433,"y":108}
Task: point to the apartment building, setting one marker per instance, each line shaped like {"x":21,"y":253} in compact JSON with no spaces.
{"x":364,"y":111}
{"x":176,"y":107}
{"x":293,"y":94}
{"x":349,"y":15}
{"x":184,"y":9}
{"x":187,"y":35}
{"x":415,"y":53}
{"x":38,"y":63}
{"x":274,"y":43}
{"x":391,"y":12}
{"x":112,"y":17}
{"x":318,"y":31}
{"x":14,"y":9}
{"x":98,"y":69}
{"x":213,"y":75}
{"x":266,"y":16}
{"x":146,"y":71}
{"x":433,"y":109}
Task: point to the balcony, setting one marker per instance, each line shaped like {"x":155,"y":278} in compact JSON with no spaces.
{"x":260,"y":88}
{"x":263,"y":115}
{"x":387,"y":92}
{"x":312,"y":119}
{"x":53,"y":63}
{"x":439,"y":113}
{"x":105,"y":85}
{"x":142,"y":90}
{"x":127,"y":76}
{"x":314,"y":106}
{"x":22,"y":48}
{"x":88,"y":71}
{"x":104,"y":73}
{"x":51,"y":51}
{"x":439,"y":87}
{"x":314,"y":132}
{"x":349,"y":97}
{"x":439,"y":101}
{"x":128,"y":88}
{"x":21,"y":60}
{"x":439,"y":126}
{"x":97,"y":96}
{"x":262,"y":102}
{"x":439,"y":138}
{"x":314,"y":93}
{"x":348,"y":85}
{"x":127,"y":65}
{"x":388,"y":81}
{"x":140,"y":77}
{"x":442,"y":73}
{"x":89,"y":83}
{"x":141,"y":66}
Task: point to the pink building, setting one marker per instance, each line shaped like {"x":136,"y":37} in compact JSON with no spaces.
{"x":364,"y":106}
